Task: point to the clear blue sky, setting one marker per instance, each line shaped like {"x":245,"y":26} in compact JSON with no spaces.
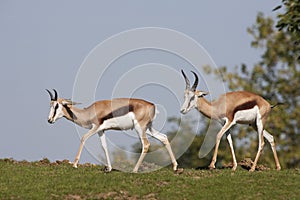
{"x":43,"y":44}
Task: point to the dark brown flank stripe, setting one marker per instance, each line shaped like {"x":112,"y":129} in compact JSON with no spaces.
{"x":245,"y":106}
{"x":118,"y":112}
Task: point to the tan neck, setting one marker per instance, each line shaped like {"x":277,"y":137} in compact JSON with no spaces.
{"x":78,"y":116}
{"x":205,"y":107}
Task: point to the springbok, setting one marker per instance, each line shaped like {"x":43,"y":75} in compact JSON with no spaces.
{"x":115,"y":114}
{"x":229,"y":109}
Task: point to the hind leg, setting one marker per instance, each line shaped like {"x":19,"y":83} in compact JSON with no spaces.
{"x":270,"y":139}
{"x":104,"y":146}
{"x":234,"y":162}
{"x":259,"y":128}
{"x":145,"y":144}
{"x":164,"y":139}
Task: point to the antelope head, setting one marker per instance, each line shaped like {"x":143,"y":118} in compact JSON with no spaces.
{"x":59,"y":107}
{"x":191,"y":95}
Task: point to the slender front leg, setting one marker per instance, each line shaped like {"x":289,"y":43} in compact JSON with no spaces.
{"x":104,"y":146}
{"x":83,"y":139}
{"x":225,"y":128}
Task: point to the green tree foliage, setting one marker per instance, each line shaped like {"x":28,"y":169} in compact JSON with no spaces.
{"x":275,"y":77}
{"x":290,"y":19}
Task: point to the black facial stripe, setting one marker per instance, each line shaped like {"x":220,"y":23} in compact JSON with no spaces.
{"x":119,"y":112}
{"x":188,"y":105}
{"x":69,"y":111}
{"x":191,"y":99}
{"x":55,"y":109}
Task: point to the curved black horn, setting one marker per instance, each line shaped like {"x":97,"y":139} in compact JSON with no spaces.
{"x":187,"y":82}
{"x":55,"y":95}
{"x":196,"y":81}
{"x":51,"y":95}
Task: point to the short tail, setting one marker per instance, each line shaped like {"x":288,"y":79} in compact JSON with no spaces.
{"x":277,"y":104}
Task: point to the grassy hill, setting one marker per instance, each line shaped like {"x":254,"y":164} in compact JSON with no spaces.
{"x":45,"y":180}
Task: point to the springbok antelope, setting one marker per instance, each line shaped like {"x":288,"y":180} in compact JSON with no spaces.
{"x":116,"y":114}
{"x":231,"y":108}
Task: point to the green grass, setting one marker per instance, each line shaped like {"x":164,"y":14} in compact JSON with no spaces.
{"x":45,"y":181}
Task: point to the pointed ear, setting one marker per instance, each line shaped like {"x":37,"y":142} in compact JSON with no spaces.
{"x":69,"y":102}
{"x":66,"y":102}
{"x":75,"y":103}
{"x":202,"y":93}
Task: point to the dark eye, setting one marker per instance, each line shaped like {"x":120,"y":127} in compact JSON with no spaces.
{"x":192,"y":98}
{"x":56,"y":106}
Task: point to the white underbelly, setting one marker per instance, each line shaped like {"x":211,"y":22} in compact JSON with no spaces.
{"x":246,"y":116}
{"x":124,"y":122}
